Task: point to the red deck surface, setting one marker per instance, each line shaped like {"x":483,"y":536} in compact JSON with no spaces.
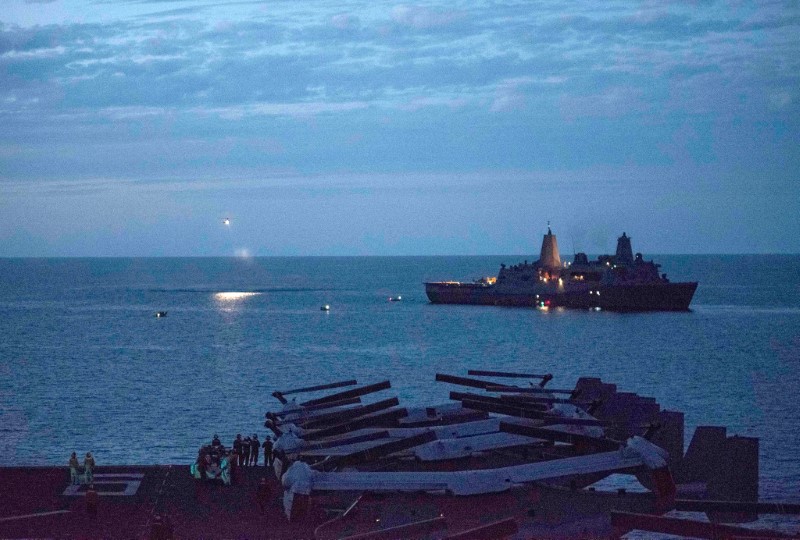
{"x":33,"y":505}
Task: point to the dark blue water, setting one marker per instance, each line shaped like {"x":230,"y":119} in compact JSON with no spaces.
{"x":85,"y":365}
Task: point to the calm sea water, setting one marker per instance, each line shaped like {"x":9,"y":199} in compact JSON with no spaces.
{"x":85,"y":364}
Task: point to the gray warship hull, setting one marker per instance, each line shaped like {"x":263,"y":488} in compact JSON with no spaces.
{"x":632,"y":297}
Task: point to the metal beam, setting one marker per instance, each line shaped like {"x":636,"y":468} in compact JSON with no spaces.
{"x":388,"y":418}
{"x":370,"y":388}
{"x":560,"y":436}
{"x":320,"y":387}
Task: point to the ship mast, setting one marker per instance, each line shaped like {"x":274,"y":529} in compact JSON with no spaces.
{"x":549,"y":257}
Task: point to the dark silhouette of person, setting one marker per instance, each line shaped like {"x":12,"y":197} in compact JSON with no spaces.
{"x":246,"y":451}
{"x":263,"y":493}
{"x":267,"y":446}
{"x":237,"y":448}
{"x":255,"y":446}
{"x":91,"y":501}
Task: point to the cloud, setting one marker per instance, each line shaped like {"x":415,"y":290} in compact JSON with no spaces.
{"x":421,"y":17}
{"x":509,"y":96}
{"x":420,"y":102}
{"x":344,"y":21}
{"x":300,"y":109}
{"x":407,"y":79}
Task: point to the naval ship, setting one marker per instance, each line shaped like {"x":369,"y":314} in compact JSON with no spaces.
{"x":619,"y":282}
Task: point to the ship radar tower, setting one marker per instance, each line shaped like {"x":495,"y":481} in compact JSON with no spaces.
{"x":549,"y":257}
{"x":624,"y":251}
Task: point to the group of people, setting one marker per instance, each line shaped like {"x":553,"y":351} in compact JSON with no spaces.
{"x":247,"y":449}
{"x":75,"y":469}
{"x":214,"y":461}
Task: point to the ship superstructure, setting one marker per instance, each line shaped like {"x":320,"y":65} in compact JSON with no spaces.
{"x":619,"y":282}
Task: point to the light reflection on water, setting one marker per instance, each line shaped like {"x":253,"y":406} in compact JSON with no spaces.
{"x":230,"y":301}
{"x":233,"y":296}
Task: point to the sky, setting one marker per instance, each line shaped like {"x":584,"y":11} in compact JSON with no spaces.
{"x":134,"y":128}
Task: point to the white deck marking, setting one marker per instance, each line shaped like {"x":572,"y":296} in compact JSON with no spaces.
{"x":132,"y":482}
{"x":40,"y":514}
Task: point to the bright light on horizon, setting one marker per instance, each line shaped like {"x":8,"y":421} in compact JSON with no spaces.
{"x":233,"y":296}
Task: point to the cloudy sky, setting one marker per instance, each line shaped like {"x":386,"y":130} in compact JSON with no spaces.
{"x":379,"y":128}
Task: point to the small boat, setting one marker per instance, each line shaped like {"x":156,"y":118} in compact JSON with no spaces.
{"x":160,"y":314}
{"x":326,"y":307}
{"x":395,"y":298}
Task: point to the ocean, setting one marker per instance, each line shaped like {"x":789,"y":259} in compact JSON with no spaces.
{"x":86,"y":366}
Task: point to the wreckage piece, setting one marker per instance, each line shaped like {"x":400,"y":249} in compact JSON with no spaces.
{"x":728,"y":467}
{"x":497,"y":530}
{"x":472,"y":482}
{"x":319,"y":387}
{"x":315,"y":450}
{"x":452,"y":442}
{"x":578,"y":440}
{"x":464,"y":381}
{"x":543,"y":400}
{"x":344,"y":441}
{"x":351,"y":382}
{"x":636,"y":453}
{"x":530,"y":413}
{"x":466,"y":396}
{"x":539,"y":511}
{"x":762,"y":507}
{"x":624,"y":522}
{"x":337,"y":417}
{"x":461,"y":447}
{"x":527,"y":390}
{"x":375,"y":452}
{"x":440,"y":415}
{"x":484,"y":373}
{"x":433,"y":528}
{"x":356,"y":392}
{"x":417,"y":529}
{"x":298,"y":411}
{"x":487,"y":385}
{"x":384,"y":419}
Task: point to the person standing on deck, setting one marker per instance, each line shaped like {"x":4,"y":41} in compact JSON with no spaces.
{"x":262,"y":494}
{"x":88,"y":467}
{"x":237,"y":448}
{"x":246,"y":451}
{"x":267,"y":446}
{"x":73,"y":468}
{"x":255,"y":446}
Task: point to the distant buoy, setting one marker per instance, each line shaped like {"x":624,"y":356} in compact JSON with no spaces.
{"x":326,"y":307}
{"x":160,"y":314}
